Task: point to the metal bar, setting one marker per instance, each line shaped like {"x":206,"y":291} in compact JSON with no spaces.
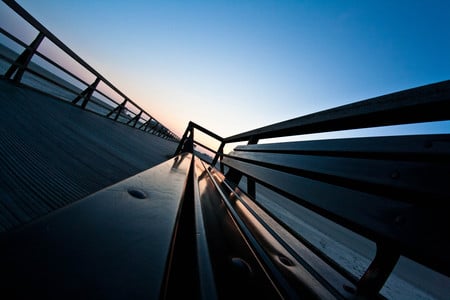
{"x":251,"y":184}
{"x":135,"y":119}
{"x":42,"y":29}
{"x":12,"y":37}
{"x":421,"y":104}
{"x":180,"y":144}
{"x":55,"y":64}
{"x":153,"y":128}
{"x":24,"y":59}
{"x":158,"y":131}
{"x":218,"y":154}
{"x":283,"y":287}
{"x":251,"y":187}
{"x":148,"y":123}
{"x":208,"y":132}
{"x":205,"y":269}
{"x":118,"y":110}
{"x":204,"y":146}
{"x":378,"y":218}
{"x":87,"y":93}
{"x":189,"y":143}
{"x":416,"y":180}
{"x":50,"y":36}
{"x":432,"y":145}
{"x":66,"y":88}
{"x":49,"y":80}
{"x":378,"y":272}
{"x":145,"y":124}
{"x":61,"y":68}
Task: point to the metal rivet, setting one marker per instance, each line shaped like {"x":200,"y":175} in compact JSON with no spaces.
{"x":137,"y":194}
{"x":286,"y":261}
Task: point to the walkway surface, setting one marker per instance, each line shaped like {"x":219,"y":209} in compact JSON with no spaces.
{"x":53,"y":153}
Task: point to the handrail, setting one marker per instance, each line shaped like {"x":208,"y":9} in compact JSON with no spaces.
{"x":314,"y":174}
{"x":426,"y":103}
{"x":421,"y":104}
{"x":42,"y":30}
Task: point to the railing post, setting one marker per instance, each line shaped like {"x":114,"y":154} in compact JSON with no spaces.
{"x":154,"y":128}
{"x":24,"y":59}
{"x":145,"y":125}
{"x":86,"y":94}
{"x":188,"y":145}
{"x":135,"y":119}
{"x":218,"y":154}
{"x":117,"y":110}
{"x":148,"y":123}
{"x":158,"y":131}
{"x":183,"y":139}
{"x":251,"y":185}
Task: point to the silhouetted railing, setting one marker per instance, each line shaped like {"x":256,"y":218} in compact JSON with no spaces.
{"x":391,"y":190}
{"x":126,"y":111}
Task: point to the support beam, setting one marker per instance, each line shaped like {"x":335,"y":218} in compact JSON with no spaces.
{"x":21,"y":63}
{"x":86,"y":94}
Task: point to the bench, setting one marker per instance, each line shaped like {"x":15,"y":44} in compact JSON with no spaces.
{"x":198,"y":228}
{"x":391,"y":190}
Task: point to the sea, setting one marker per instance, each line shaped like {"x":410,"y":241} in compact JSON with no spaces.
{"x":409,"y":280}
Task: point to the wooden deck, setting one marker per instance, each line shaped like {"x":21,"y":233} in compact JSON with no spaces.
{"x":52,"y":154}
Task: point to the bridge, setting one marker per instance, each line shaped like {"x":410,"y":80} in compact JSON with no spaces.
{"x":101,"y":200}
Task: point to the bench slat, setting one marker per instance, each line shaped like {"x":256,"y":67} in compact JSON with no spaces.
{"x":436,"y":146}
{"x":110,"y":245}
{"x":409,"y":227}
{"x":403,"y":180}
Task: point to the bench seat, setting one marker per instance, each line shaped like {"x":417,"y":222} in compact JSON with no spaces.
{"x":114,"y":244}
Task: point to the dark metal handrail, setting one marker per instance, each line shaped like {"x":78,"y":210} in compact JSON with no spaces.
{"x":21,"y":65}
{"x":277,"y":167}
{"x":421,"y":104}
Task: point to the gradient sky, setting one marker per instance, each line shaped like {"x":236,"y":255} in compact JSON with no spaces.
{"x":233,"y":66}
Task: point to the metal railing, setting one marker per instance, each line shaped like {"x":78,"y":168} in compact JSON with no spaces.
{"x":421,"y":104}
{"x":127,"y":111}
{"x":268,"y":164}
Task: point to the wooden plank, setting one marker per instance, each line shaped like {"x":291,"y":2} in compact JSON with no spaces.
{"x":207,"y":285}
{"x":237,"y":260}
{"x":433,"y":145}
{"x":401,"y":179}
{"x":53,"y":153}
{"x":111,"y":245}
{"x":410,"y":228}
{"x":421,"y":104}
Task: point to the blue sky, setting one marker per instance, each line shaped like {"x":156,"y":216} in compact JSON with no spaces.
{"x":232,"y":66}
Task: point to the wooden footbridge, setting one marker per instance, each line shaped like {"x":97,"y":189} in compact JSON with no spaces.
{"x":99,"y":200}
